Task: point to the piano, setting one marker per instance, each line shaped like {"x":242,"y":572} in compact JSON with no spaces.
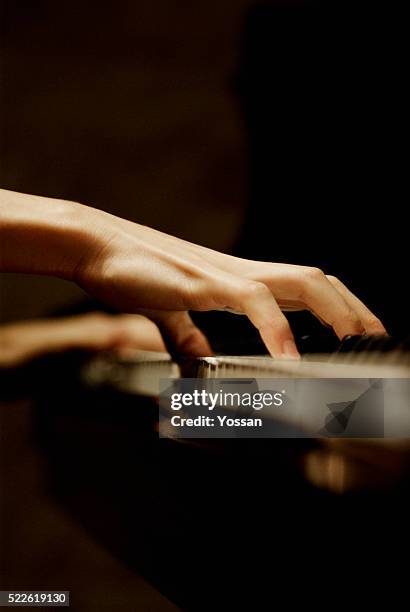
{"x":192,"y":516}
{"x":373,"y":358}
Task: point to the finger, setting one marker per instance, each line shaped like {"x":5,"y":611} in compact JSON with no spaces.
{"x":370,"y":322}
{"x":98,"y":331}
{"x":329,"y":305}
{"x":30,"y":339}
{"x":256,"y":301}
{"x":181,"y":336}
{"x":138,"y":332}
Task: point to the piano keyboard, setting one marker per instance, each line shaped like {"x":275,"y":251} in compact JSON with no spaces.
{"x":139,"y":372}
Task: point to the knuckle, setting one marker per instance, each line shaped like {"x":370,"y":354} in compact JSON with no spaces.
{"x":334,"y":280}
{"x":279,"y":326}
{"x":374,"y":324}
{"x":188,"y":338}
{"x":282,"y":328}
{"x":313,"y":274}
{"x":253,"y":290}
{"x":277,"y":322}
{"x":352,"y":320}
{"x":308,"y":277}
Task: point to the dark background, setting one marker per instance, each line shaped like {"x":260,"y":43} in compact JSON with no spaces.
{"x":324,"y":96}
{"x":276,"y":130}
{"x":127,"y":106}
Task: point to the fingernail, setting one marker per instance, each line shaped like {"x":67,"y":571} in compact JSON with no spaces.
{"x":289,"y":350}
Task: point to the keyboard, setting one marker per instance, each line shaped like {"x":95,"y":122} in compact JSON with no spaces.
{"x":139,"y":372}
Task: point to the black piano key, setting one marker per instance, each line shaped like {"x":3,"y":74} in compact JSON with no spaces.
{"x":375,"y":343}
{"x":349,"y":343}
{"x":363,"y":344}
{"x":317,"y":343}
{"x":405,"y":344}
{"x":328,"y":343}
{"x":389,"y":344}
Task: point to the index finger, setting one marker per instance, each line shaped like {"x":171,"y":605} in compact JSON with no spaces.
{"x":255,"y":300}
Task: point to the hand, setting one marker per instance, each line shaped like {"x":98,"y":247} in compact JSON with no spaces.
{"x":21,"y":342}
{"x":138,"y":269}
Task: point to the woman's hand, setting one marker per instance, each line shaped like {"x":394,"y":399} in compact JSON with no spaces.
{"x":94,"y":331}
{"x":140,"y":270}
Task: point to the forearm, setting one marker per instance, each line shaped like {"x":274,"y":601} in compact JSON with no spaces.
{"x":44,"y":236}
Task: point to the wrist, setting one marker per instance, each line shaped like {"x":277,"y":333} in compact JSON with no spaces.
{"x":47,"y":236}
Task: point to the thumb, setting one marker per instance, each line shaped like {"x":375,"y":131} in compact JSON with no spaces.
{"x":181,"y":336}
